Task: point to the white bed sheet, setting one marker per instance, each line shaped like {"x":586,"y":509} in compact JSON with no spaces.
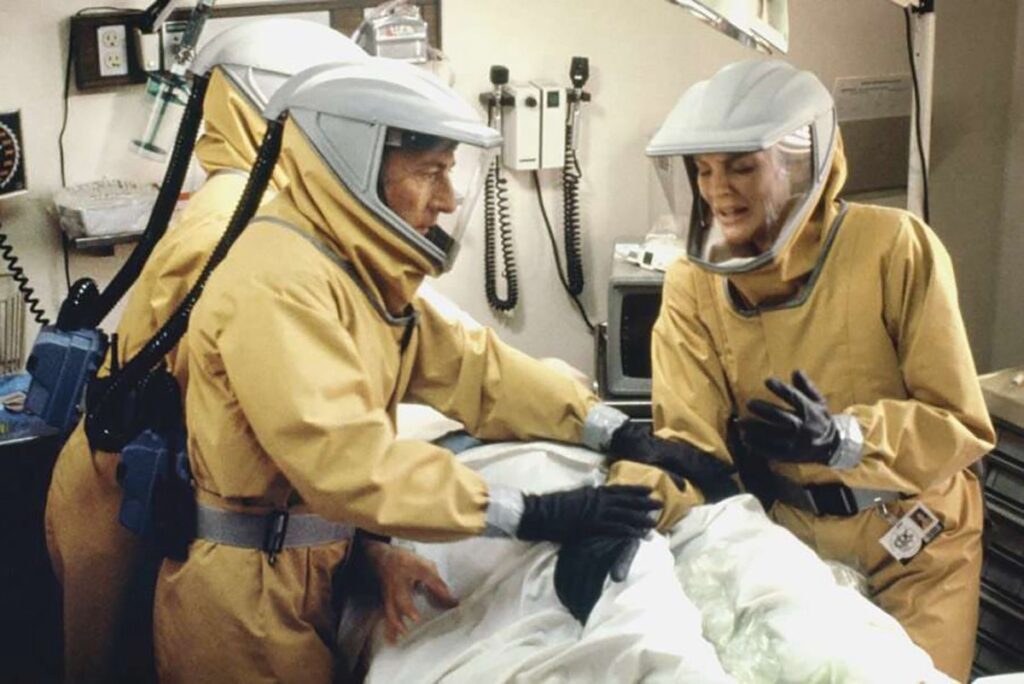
{"x":730,"y":596}
{"x":510,"y":626}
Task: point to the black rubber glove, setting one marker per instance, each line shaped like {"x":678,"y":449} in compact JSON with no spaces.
{"x":613,"y":510}
{"x":803,"y":432}
{"x":584,"y":565}
{"x":636,"y":442}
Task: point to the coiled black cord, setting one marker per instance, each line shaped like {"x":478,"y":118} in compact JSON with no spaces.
{"x":166,"y":199}
{"x":554,"y":250}
{"x":18,"y":273}
{"x":108,"y":418}
{"x":571,"y":176}
{"x":498,"y":217}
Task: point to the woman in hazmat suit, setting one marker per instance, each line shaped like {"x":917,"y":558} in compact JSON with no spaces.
{"x":832,"y":330}
{"x":305,"y":340}
{"x":93,"y":556}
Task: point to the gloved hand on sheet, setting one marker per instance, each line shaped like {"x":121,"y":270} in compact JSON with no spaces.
{"x":636,"y":442}
{"x":571,"y":515}
{"x":802,"y":432}
{"x":584,"y":565}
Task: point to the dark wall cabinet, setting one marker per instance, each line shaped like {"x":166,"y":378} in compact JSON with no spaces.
{"x":1000,"y":647}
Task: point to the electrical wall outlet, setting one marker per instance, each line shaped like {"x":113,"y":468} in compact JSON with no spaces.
{"x":104,"y":49}
{"x":113,"y":50}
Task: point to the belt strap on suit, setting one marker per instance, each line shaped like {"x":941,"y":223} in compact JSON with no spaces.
{"x":831,"y":499}
{"x":269,"y":532}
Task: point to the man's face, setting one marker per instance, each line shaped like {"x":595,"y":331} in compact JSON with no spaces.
{"x":745,"y":192}
{"x":417,"y":185}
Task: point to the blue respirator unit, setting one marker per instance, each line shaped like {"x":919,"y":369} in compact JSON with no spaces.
{"x":158,"y":502}
{"x":65,"y":358}
{"x":61,"y":364}
{"x":148,"y":463}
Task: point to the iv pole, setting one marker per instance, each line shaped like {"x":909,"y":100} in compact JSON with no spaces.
{"x":922,"y":29}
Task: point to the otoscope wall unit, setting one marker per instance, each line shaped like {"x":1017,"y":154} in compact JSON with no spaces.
{"x":539,"y":121}
{"x":536,"y":116}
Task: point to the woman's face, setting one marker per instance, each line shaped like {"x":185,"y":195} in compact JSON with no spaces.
{"x":746,"y":194}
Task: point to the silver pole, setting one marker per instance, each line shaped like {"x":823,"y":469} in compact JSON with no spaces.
{"x":922,"y":28}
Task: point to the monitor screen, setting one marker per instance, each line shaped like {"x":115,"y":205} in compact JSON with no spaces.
{"x":634,"y":301}
{"x":639,"y":311}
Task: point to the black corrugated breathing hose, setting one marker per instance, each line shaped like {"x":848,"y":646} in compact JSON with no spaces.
{"x":110,"y":418}
{"x":163,"y":207}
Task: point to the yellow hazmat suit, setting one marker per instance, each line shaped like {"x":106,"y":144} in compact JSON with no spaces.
{"x":866,"y":304}
{"x":93,"y":556}
{"x":295,"y":380}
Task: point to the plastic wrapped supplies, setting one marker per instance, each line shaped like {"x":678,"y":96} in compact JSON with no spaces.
{"x":103,"y":208}
{"x":776,"y":613}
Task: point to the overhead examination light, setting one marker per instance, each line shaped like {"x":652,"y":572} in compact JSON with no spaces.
{"x":760,"y":24}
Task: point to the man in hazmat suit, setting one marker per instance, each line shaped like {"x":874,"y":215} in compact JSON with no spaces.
{"x":832,"y":331}
{"x":96,"y":560}
{"x":308,"y":335}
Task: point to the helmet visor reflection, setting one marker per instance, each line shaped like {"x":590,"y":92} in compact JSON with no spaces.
{"x":432,"y":185}
{"x":746,"y":205}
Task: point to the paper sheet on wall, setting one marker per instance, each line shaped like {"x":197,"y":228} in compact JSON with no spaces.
{"x":872,"y":97}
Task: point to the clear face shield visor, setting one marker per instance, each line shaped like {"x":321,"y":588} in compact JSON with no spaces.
{"x":741,"y":207}
{"x":432,"y":185}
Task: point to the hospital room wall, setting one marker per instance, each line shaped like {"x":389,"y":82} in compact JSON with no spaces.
{"x":977,"y":170}
{"x":1008,"y":344}
{"x":643,"y":54}
{"x":33,"y":52}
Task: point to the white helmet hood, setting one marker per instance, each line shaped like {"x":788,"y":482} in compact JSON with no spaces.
{"x":259,"y":56}
{"x":748,"y":107}
{"x":346,"y":112}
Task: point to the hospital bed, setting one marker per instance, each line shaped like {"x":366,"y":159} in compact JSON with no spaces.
{"x":728,"y":597}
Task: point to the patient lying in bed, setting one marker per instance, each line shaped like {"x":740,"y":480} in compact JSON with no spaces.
{"x":730,"y":596}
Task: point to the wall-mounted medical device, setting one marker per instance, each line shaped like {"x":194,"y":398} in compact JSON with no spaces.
{"x":521,"y":132}
{"x":169,"y":46}
{"x":12,"y":155}
{"x":535,"y":126}
{"x":539,"y":121}
{"x":552,"y":124}
{"x":169,"y":88}
{"x":395,"y":30}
